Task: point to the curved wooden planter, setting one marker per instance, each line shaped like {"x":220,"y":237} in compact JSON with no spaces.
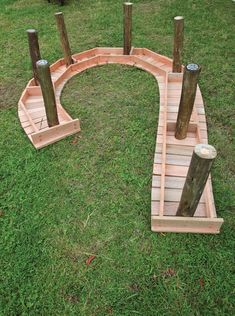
{"x":172,"y":156}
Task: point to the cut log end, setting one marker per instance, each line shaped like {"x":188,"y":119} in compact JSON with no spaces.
{"x":31,"y":31}
{"x":205,"y":151}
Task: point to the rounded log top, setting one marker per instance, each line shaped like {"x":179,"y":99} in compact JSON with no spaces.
{"x":128,"y":3}
{"x":192,"y":67}
{"x":179,"y":17}
{"x":31,"y":31}
{"x":205,"y":151}
{"x":42,"y":63}
{"x":59,"y":13}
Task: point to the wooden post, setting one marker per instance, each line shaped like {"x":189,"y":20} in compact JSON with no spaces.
{"x":47,"y":92}
{"x":199,"y":169}
{"x":178,"y":43}
{"x":34,"y":51}
{"x":127,"y":8}
{"x":189,"y":88}
{"x":64,"y":38}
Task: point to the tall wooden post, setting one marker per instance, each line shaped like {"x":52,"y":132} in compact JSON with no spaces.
{"x":178,"y":43}
{"x":64,"y":38}
{"x":189,"y":88}
{"x":127,"y":10}
{"x":34,"y":51}
{"x":199,"y":169}
{"x":47,"y":92}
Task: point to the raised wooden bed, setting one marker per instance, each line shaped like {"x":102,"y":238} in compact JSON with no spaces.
{"x":172,"y":156}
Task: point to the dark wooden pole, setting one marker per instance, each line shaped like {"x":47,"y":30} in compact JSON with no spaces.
{"x":47,"y":92}
{"x":127,"y":9}
{"x":64,"y":38}
{"x":178,"y":43}
{"x":199,"y":169}
{"x":189,"y":88}
{"x":34,"y":51}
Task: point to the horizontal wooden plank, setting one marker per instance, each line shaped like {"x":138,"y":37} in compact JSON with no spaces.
{"x":186,"y":224}
{"x":170,"y":195}
{"x":55,"y":133}
{"x":171,"y":140}
{"x":170,"y":209}
{"x":173,"y":117}
{"x":171,"y":170}
{"x":176,"y":149}
{"x":170,"y":182}
{"x":173,"y":159}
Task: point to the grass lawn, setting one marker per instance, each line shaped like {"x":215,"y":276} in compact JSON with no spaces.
{"x":89,"y":194}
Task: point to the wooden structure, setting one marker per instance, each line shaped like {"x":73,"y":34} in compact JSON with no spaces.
{"x":172,"y":156}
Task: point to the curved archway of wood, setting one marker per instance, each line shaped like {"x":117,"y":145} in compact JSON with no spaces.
{"x":172,"y":156}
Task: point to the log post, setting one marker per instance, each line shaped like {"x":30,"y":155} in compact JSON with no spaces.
{"x":127,"y":9}
{"x":34,"y":51}
{"x":188,"y":94}
{"x":199,"y":169}
{"x":64,"y":38}
{"x":48,"y":94}
{"x":178,"y":43}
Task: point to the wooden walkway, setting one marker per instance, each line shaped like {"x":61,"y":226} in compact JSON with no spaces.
{"x":172,"y":156}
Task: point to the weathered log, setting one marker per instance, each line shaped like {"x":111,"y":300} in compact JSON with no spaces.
{"x":48,"y":94}
{"x":34,"y":51}
{"x":178,"y":43}
{"x":64,"y":38}
{"x":199,"y":169}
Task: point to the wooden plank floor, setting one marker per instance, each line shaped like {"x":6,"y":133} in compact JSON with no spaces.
{"x":172,"y":156}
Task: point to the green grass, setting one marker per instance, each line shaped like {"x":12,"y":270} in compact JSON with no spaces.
{"x":90,"y":193}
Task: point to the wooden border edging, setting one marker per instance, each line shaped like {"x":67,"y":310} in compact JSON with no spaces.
{"x":172,"y":156}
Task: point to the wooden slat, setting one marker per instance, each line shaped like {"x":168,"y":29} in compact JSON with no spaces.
{"x":173,"y":160}
{"x":170,"y":182}
{"x":171,"y":170}
{"x":171,"y":209}
{"x":176,"y":150}
{"x":170,"y":195}
{"x":186,"y":224}
{"x":163,"y":155}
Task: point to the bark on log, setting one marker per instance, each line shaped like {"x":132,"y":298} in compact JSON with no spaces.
{"x":189,"y":88}
{"x":47,"y":92}
{"x":199,"y":169}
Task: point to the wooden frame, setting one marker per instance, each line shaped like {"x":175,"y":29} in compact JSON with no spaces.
{"x":172,"y":156}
